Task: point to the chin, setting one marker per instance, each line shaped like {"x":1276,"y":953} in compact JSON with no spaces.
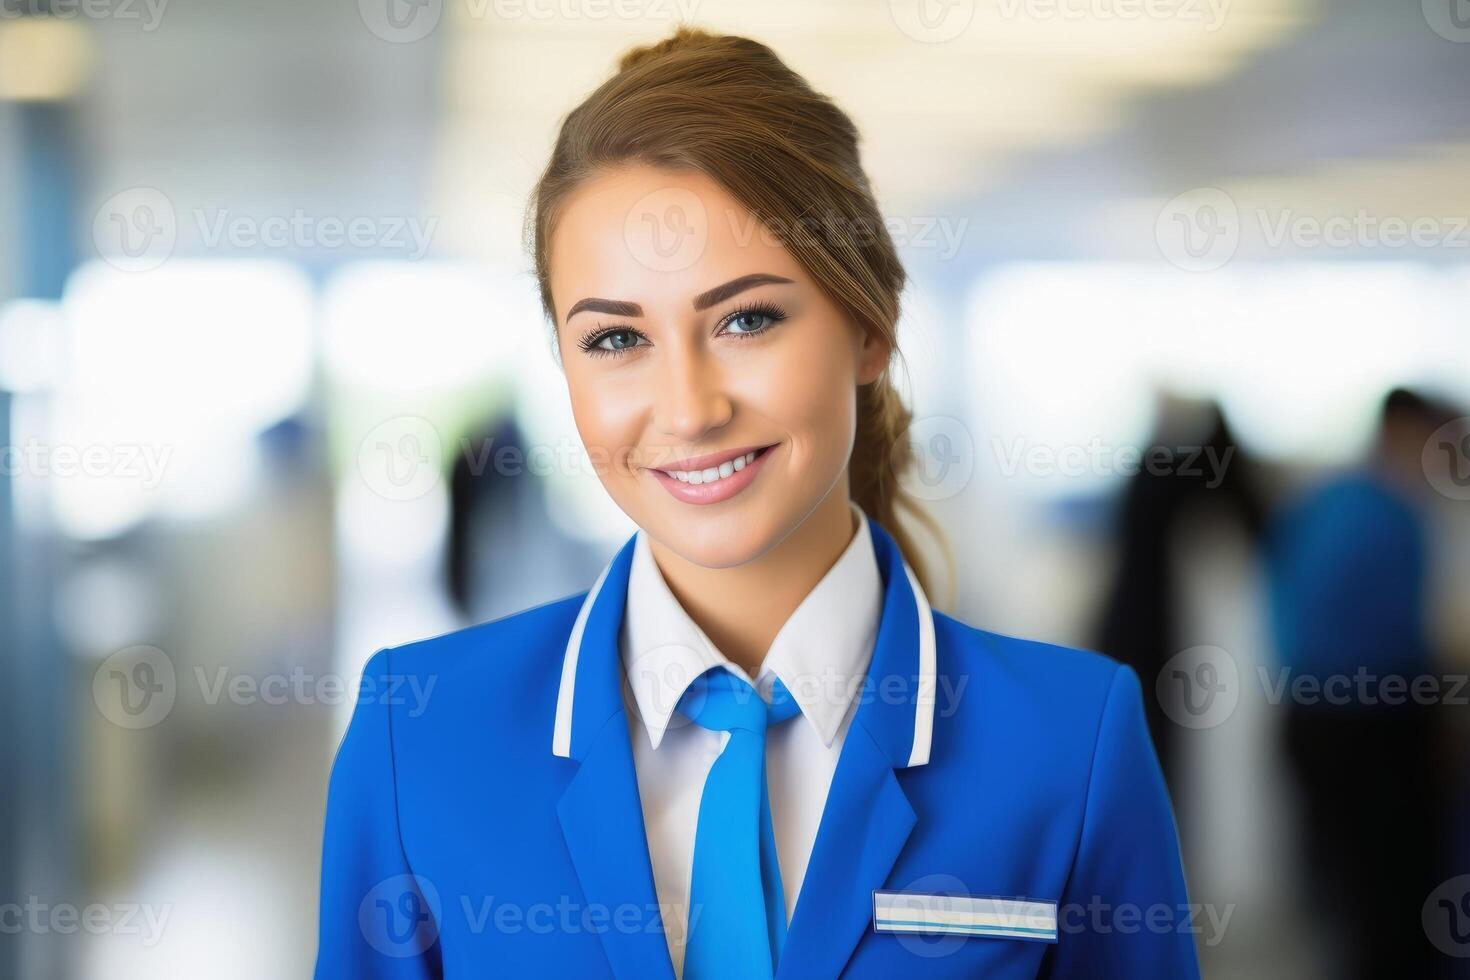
{"x":716,"y":540}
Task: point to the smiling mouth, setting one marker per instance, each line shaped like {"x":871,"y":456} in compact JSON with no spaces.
{"x":714,"y":477}
{"x":711,"y":474}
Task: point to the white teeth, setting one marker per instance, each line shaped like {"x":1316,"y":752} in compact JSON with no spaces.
{"x":713,"y":473}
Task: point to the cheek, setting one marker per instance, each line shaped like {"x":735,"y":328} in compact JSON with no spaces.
{"x":808,"y":390}
{"x":608,"y":414}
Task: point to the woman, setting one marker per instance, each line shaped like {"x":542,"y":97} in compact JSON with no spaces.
{"x":751,"y":749}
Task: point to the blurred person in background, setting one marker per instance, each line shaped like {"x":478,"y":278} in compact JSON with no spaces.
{"x":1347,"y":563}
{"x":1194,"y":472}
{"x":497,"y":512}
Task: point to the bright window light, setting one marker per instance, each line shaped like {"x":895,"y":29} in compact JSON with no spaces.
{"x":412,"y":326}
{"x":1071,"y":356}
{"x":169,"y":377}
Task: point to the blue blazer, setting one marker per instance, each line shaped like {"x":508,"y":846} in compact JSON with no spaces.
{"x":483,"y":816}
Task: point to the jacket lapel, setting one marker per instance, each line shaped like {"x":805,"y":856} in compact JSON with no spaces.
{"x":600,"y":811}
{"x":865,"y":823}
{"x":868,"y":817}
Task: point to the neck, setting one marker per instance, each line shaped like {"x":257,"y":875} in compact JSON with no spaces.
{"x":742,"y":608}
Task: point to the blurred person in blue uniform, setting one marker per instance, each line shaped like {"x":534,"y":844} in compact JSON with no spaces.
{"x":1347,"y":564}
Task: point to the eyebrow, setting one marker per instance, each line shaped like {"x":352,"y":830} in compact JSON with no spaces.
{"x":617,"y":307}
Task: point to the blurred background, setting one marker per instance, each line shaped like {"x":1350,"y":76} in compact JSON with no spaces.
{"x":1188,"y":339}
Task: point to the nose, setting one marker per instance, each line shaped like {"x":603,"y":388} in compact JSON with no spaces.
{"x":691,"y":400}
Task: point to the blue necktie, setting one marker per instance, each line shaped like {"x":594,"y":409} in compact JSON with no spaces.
{"x":737,"y":908}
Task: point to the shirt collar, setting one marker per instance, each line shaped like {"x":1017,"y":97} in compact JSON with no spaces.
{"x":821,"y":653}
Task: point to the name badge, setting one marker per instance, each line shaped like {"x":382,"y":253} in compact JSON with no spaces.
{"x":965,"y":915}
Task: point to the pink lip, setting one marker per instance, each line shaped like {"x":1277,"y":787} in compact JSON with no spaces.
{"x":711,"y":459}
{"x":713,"y":493}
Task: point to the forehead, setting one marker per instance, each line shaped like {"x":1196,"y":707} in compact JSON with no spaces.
{"x":656,"y":238}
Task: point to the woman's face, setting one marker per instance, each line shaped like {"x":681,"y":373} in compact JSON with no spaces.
{"x":713,"y":382}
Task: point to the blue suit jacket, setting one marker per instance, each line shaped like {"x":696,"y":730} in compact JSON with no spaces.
{"x":484,"y":819}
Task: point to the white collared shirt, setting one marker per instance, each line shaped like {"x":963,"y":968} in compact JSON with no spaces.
{"x":821,"y":654}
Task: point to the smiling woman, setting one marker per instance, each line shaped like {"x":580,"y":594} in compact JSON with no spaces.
{"x":725,"y":302}
{"x":676,"y":374}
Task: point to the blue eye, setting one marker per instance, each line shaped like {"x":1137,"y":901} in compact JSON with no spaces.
{"x":618,"y":340}
{"x":752,"y":320}
{"x":600,"y":343}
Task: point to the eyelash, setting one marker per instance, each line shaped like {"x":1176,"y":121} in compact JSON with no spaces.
{"x":590,"y":341}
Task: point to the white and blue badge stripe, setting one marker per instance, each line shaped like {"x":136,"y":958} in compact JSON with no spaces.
{"x":965,"y":915}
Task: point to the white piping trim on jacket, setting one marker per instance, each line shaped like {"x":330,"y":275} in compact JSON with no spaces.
{"x":561,"y":739}
{"x":924,"y":700}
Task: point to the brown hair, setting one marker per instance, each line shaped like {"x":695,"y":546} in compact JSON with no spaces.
{"x":729,"y":108}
